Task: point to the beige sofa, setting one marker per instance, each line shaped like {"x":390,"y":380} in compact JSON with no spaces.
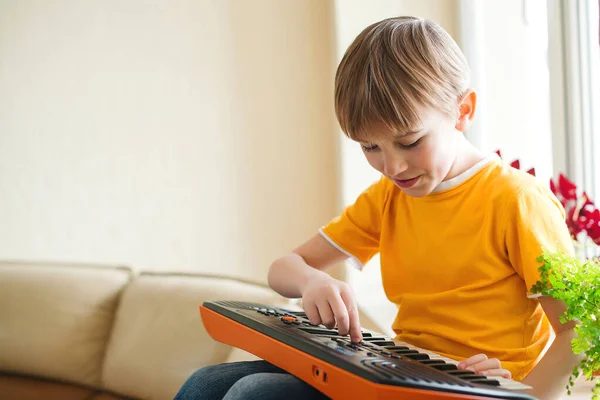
{"x":104,"y":332}
{"x":86,"y":332}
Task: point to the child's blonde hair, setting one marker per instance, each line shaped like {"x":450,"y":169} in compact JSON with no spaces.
{"x":393,"y":67}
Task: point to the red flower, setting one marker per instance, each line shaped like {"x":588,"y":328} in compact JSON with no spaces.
{"x":566,"y":192}
{"x":589,"y":217}
{"x":593,"y":229}
{"x":582,"y":214}
{"x":517,"y":164}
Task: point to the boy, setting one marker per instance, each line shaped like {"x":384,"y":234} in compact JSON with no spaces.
{"x":458,"y":232}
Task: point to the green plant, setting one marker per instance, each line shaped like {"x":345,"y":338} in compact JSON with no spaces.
{"x":577,"y":283}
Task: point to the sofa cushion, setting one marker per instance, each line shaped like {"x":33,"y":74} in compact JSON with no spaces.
{"x":55,"y":320}
{"x":159,"y":339}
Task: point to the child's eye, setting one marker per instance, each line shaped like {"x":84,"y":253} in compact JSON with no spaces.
{"x":412,"y":145}
{"x":369,"y":148}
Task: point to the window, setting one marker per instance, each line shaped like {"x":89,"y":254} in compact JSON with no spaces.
{"x":574,"y":55}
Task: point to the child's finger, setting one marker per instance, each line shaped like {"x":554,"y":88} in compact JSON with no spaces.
{"x":341,"y":315}
{"x":489,"y":364}
{"x":326,"y":314}
{"x":497,"y":372}
{"x":355,"y":331}
{"x":464,"y":364}
{"x":354,"y":320}
{"x":312,"y":313}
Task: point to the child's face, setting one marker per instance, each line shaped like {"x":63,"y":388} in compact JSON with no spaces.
{"x":418,"y":161}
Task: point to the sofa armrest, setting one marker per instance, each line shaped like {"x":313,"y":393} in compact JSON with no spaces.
{"x":55,"y":319}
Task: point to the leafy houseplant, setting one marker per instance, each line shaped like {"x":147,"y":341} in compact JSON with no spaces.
{"x":576,"y":279}
{"x":577,"y":283}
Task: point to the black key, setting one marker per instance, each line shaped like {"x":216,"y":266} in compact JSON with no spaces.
{"x":382,"y":343}
{"x":419,"y":356}
{"x":490,"y":382}
{"x":472,"y":377}
{"x":366,"y":334}
{"x":392,"y":348}
{"x":318,"y":331}
{"x":404,"y":351}
{"x":432,"y":362}
{"x":460,"y":372}
{"x":297,"y":313}
{"x":444,"y":367}
{"x":371,"y":338}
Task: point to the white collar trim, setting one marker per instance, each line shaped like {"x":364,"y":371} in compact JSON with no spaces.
{"x":457,"y":180}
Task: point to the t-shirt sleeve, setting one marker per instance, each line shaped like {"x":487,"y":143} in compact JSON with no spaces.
{"x":357,"y":230}
{"x":536,"y":222}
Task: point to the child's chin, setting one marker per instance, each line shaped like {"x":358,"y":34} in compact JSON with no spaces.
{"x":417,"y":191}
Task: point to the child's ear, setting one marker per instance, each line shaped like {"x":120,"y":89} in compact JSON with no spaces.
{"x":466,"y":110}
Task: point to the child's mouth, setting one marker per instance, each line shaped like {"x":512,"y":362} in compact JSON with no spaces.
{"x":406,"y":183}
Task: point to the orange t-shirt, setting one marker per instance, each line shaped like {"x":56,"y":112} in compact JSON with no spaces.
{"x":459,"y":262}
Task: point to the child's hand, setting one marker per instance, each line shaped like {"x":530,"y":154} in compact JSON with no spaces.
{"x":482,"y":365}
{"x":327,"y":300}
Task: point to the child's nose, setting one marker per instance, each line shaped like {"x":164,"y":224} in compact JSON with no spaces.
{"x":394,"y":164}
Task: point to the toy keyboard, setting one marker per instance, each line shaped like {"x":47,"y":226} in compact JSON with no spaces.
{"x":375,"y":368}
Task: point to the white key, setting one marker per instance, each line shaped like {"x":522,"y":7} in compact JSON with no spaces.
{"x":504,"y":382}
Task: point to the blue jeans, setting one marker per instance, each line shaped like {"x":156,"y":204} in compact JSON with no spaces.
{"x":246,"y":380}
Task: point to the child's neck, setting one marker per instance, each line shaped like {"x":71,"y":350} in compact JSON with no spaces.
{"x":467,"y":156}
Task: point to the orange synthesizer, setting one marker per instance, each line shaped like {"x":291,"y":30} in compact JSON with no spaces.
{"x":375,"y":368}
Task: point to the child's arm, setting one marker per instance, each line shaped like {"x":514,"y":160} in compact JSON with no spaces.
{"x":535,"y":223}
{"x":550,"y":377}
{"x":325,"y":299}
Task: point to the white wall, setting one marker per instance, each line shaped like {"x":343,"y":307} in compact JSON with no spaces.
{"x":200,"y":134}
{"x":188,"y":135}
